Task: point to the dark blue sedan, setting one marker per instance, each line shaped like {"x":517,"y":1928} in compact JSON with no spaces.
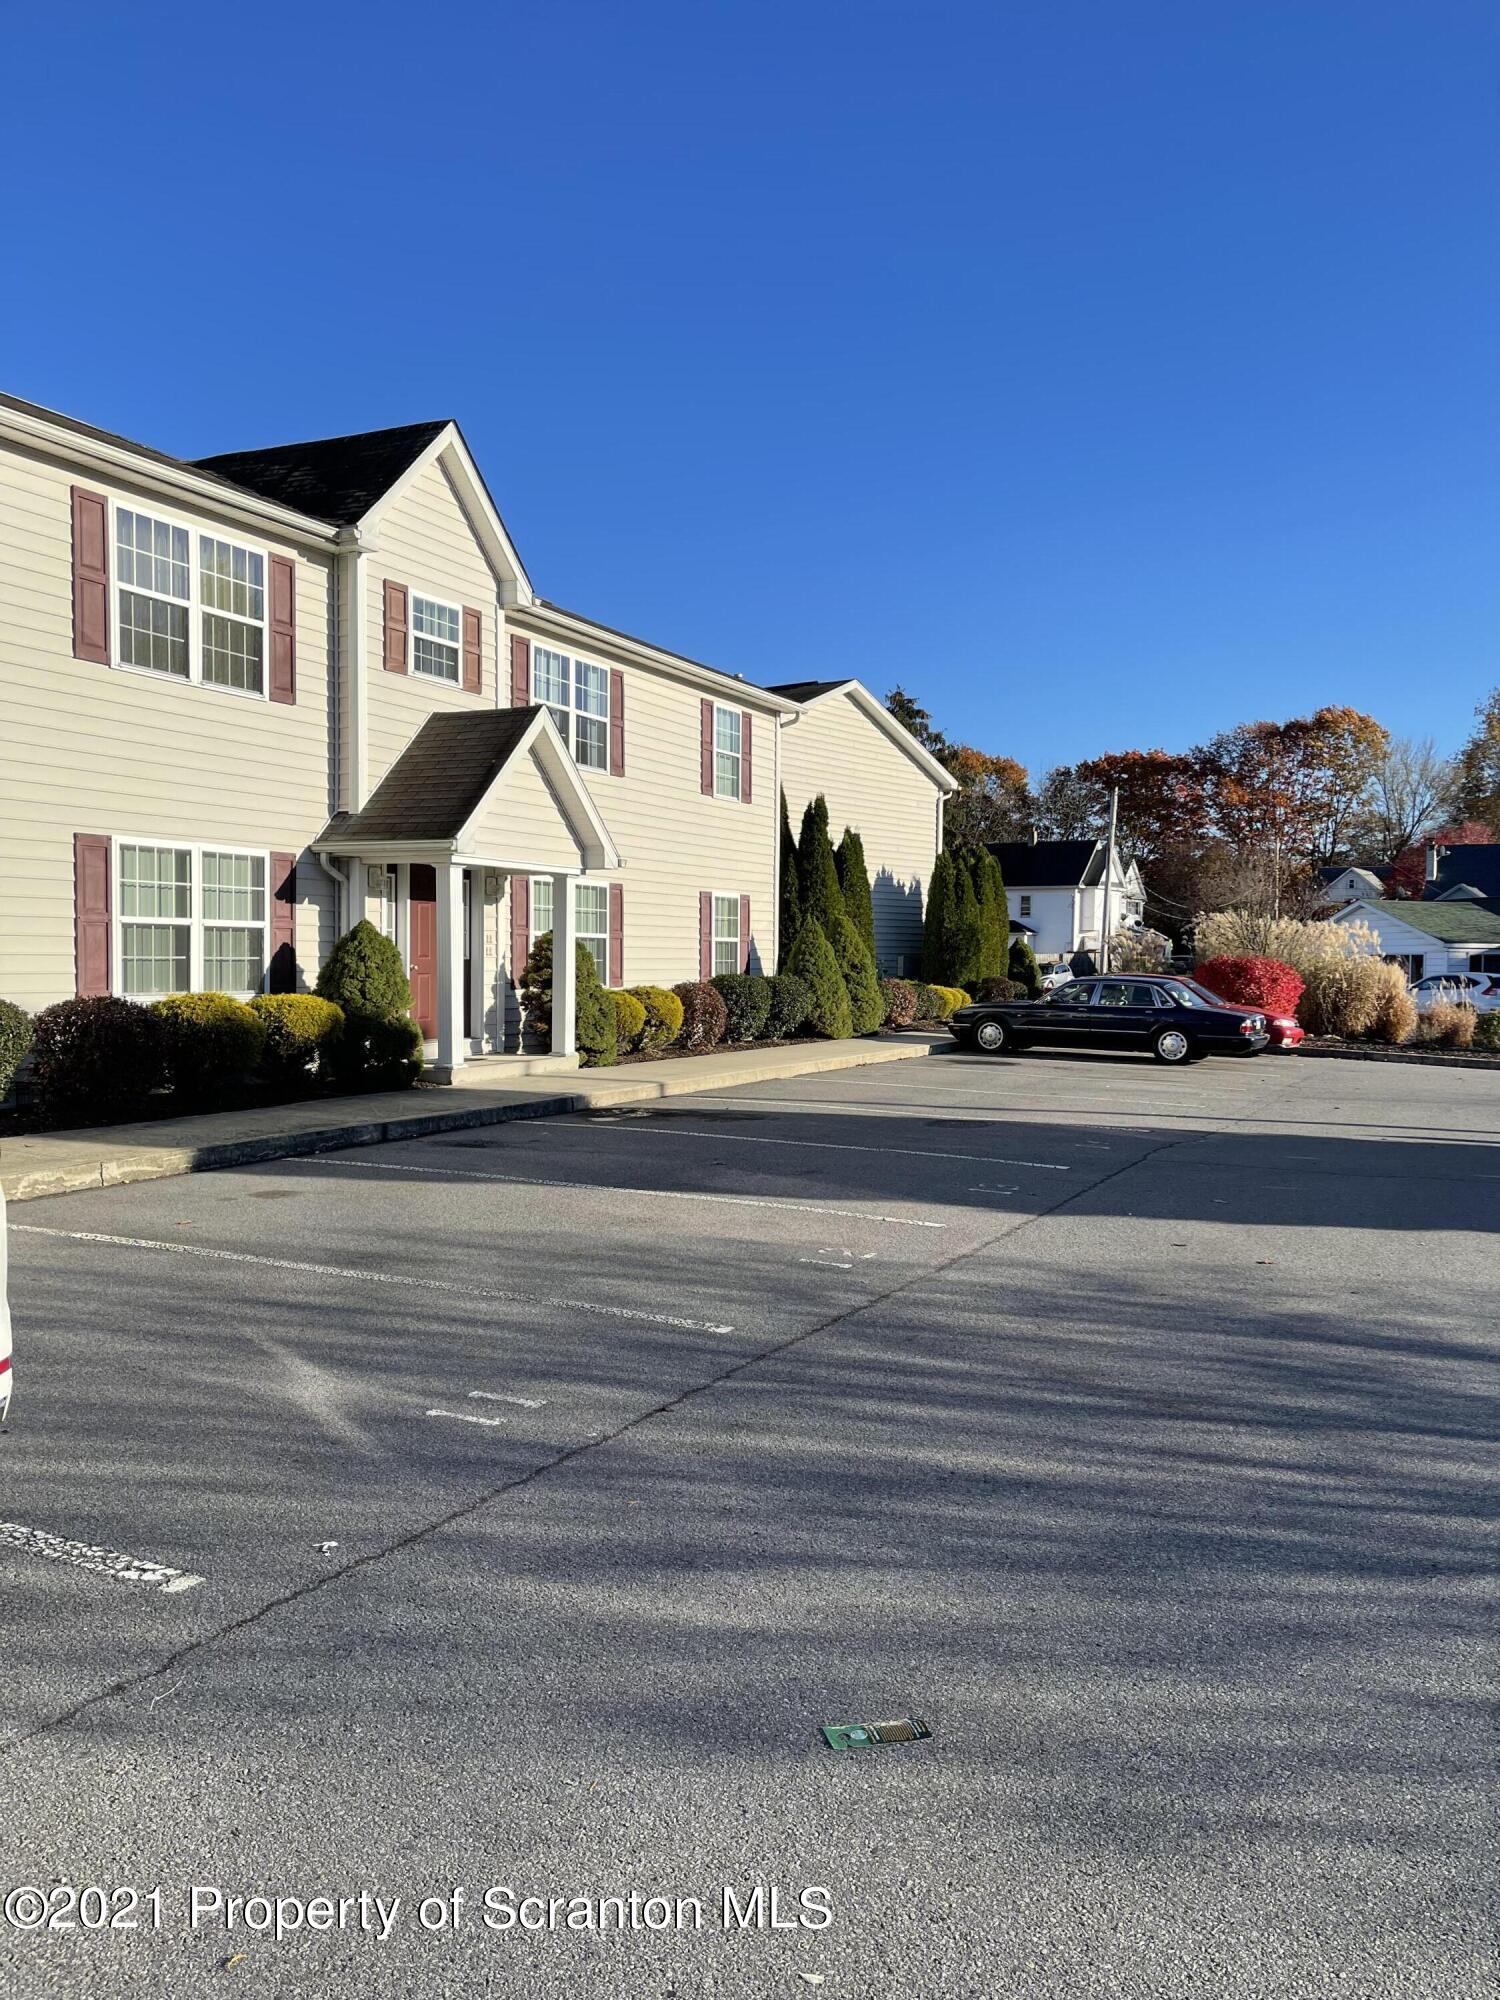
{"x":1177,"y":1023}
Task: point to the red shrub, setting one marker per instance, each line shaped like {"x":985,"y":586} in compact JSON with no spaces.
{"x":1253,"y":982}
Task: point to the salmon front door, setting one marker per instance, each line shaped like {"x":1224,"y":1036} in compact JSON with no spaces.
{"x":422,"y":897}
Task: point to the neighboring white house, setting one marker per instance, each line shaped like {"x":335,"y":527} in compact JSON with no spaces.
{"x":1055,"y":889}
{"x":1351,"y":885}
{"x":1453,"y":934}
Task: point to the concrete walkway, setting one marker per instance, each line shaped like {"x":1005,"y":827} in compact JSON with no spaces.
{"x":64,"y":1162}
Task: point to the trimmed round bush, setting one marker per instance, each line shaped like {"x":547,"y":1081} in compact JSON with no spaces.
{"x":999,"y":989}
{"x":929,"y":1002}
{"x":214,"y":1043}
{"x":704,"y":1015}
{"x":1022,"y":966}
{"x":747,"y":1003}
{"x":900,"y":1002}
{"x":16,"y":1030}
{"x":302,"y":1036}
{"x":364,"y":975}
{"x":379,"y":1055}
{"x":857,"y":968}
{"x":1253,"y":982}
{"x":97,"y":1060}
{"x":812,"y":961}
{"x":594,"y":1022}
{"x":663,"y":1016}
{"x":944,"y":1000}
{"x":630,"y":1018}
{"x":791,"y":1003}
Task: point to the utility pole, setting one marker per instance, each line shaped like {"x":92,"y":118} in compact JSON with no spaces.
{"x":1109,"y":880}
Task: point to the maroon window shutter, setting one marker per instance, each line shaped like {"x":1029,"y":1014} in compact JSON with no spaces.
{"x":520,"y":671}
{"x":283,"y":634}
{"x":705,"y":935}
{"x":395,"y":627}
{"x":91,"y":953}
{"x":744,"y":933}
{"x":745,"y":755}
{"x":706,"y":748}
{"x":616,"y":934}
{"x":283,"y":977}
{"x":616,"y":723}
{"x":473,"y":651}
{"x":520,"y":925}
{"x":90,"y":580}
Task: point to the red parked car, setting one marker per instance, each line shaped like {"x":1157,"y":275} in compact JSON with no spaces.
{"x":1284,"y":1030}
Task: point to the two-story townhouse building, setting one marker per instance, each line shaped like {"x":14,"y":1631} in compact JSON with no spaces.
{"x":255,"y":697}
{"x":877,"y":778}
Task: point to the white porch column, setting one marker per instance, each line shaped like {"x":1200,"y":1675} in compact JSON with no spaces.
{"x":450,"y":965}
{"x":564,"y":969}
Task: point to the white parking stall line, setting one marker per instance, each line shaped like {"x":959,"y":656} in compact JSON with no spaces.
{"x":467,"y":1417}
{"x":816,"y":1145}
{"x":445,"y":1285}
{"x":494,"y":1396}
{"x":95,"y":1558}
{"x":649,"y":1194}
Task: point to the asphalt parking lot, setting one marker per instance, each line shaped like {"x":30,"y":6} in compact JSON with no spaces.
{"x":548,"y":1486}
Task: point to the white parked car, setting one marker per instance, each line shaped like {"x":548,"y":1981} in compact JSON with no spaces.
{"x":1479,"y":990}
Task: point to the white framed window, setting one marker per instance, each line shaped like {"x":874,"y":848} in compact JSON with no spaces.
{"x":591,"y":923}
{"x":727,"y":956}
{"x":436,"y":630}
{"x":1484,"y":961}
{"x":590,"y":917}
{"x":201,"y":621}
{"x":1025,"y":906}
{"x":191,"y":919}
{"x":728,"y":723}
{"x":383,"y":889}
{"x":577,"y":694}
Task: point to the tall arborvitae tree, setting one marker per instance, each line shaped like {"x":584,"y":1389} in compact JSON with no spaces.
{"x":854,"y":880}
{"x":791,"y":894}
{"x":857,"y":969}
{"x":940,"y":923}
{"x":968,"y":940}
{"x":817,"y":873}
{"x":994,"y":913}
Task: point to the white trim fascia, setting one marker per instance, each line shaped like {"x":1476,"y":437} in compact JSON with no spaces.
{"x":404,"y":852}
{"x":500,"y":551}
{"x":541,"y":735}
{"x":596,"y":639}
{"x":881,"y":716}
{"x":105,"y":460}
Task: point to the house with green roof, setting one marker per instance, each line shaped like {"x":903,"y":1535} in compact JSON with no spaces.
{"x":1452,"y":936}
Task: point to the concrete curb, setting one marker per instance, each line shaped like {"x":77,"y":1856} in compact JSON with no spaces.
{"x":1434,"y":1058}
{"x":104,"y":1167}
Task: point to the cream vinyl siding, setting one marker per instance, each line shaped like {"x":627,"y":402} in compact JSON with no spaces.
{"x":525,"y":821}
{"x":872,"y":785}
{"x":423,"y":540}
{"x":92,"y":749}
{"x":673,"y":841}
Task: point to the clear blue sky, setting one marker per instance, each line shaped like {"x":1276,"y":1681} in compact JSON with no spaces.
{"x":1106,"y":371}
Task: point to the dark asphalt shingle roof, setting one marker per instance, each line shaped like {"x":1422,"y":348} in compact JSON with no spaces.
{"x":337,"y":479}
{"x":1449,"y":923}
{"x":803,"y":690}
{"x":434,"y":786}
{"x":1468,"y":862}
{"x":1048,"y":864}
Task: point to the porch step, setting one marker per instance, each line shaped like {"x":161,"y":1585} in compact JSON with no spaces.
{"x":494,"y":1072}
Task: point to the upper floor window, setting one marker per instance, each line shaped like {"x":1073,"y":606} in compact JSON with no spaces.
{"x":435,"y":638}
{"x":1025,"y":906}
{"x":577,"y":694}
{"x":205,"y":622}
{"x":728,"y":762}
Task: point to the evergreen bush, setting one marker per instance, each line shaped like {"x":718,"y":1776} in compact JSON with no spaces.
{"x":857,"y":968}
{"x":854,"y":882}
{"x":999,"y":989}
{"x":791,"y":895}
{"x":302,"y":1036}
{"x":630,"y":1019}
{"x":213,"y":1045}
{"x":704,"y":1015}
{"x":363,"y":975}
{"x":818,"y":891}
{"x":594,"y":1028}
{"x":963,"y":968}
{"x":812,"y":961}
{"x":900,"y":1002}
{"x":940,"y":921}
{"x":96,"y":1060}
{"x":663,"y":1016}
{"x":929,"y":1002}
{"x":16,"y":1030}
{"x":747,"y":1003}
{"x":1023,"y":967}
{"x":791,"y":1003}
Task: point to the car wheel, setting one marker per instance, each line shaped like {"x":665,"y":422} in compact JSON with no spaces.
{"x":1171,"y":1045}
{"x":992,"y":1037}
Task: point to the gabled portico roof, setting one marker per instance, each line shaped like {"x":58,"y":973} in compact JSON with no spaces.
{"x":453,"y":774}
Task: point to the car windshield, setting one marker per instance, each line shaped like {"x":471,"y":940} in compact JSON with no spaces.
{"x":1189,"y":996}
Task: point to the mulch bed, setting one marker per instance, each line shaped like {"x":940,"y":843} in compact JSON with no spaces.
{"x":1330,"y":1045}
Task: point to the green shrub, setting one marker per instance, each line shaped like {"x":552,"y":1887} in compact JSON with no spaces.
{"x":791,"y":1003}
{"x":747,"y":1002}
{"x":630,"y":1018}
{"x":940,"y":919}
{"x":214,"y":1043}
{"x":818,"y":891}
{"x":1023,"y":967}
{"x":704,"y":1015}
{"x":900,"y":1002}
{"x":378,"y":1055}
{"x":854,"y":881}
{"x":999,"y":989}
{"x":16,"y":1029}
{"x":791,"y":895}
{"x":1487,"y":1033}
{"x":363,"y":974}
{"x":941,"y":1001}
{"x":303,"y":1034}
{"x":96,"y":1060}
{"x":811,"y":960}
{"x":857,"y":968}
{"x":929,"y":1006}
{"x":597,"y":1031}
{"x":594,"y":1026}
{"x":663,"y":1016}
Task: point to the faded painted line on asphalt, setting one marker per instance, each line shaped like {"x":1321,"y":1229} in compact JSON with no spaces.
{"x":467,"y":1417}
{"x":821,"y":1146}
{"x":493,"y":1396}
{"x":372,"y":1277}
{"x":648,"y":1194}
{"x":90,"y":1556}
